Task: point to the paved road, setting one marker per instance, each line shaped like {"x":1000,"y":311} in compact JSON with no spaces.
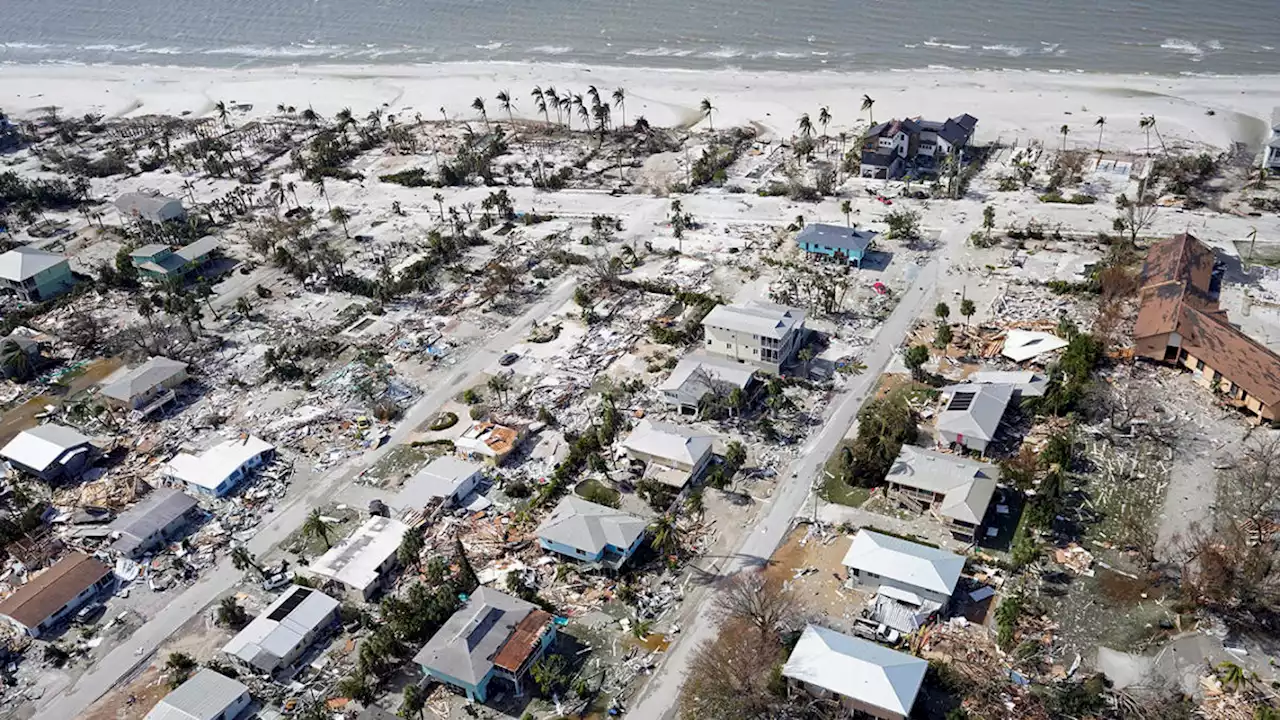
{"x":659,"y":699}
{"x":138,"y":650}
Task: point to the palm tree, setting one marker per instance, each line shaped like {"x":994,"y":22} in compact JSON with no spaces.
{"x":413,"y":701}
{"x":1063,"y":132}
{"x":316,"y":528}
{"x":499,"y":384}
{"x":867,"y":104}
{"x":1101,"y":122}
{"x":221,"y":108}
{"x":601,"y":112}
{"x":707,"y":109}
{"x":293,"y":190}
{"x":244,"y":306}
{"x":1159,"y":138}
{"x":594,"y":94}
{"x":583,"y":112}
{"x":146,"y":309}
{"x":504,"y":102}
{"x":478,"y":106}
{"x":318,"y":183}
{"x":805,"y":126}
{"x":620,"y":102}
{"x":967,"y":309}
{"x":846,"y":207}
{"x":824,"y":119}
{"x":439,"y":201}
{"x":566,"y":105}
{"x":341,"y":216}
{"x":1231,"y":675}
{"x":242,"y":560}
{"x":540,"y":103}
{"x":553,"y":99}
{"x":665,"y":536}
{"x":15,"y":360}
{"x":806,"y":356}
{"x":1145,"y":124}
{"x":310,"y":116}
{"x":357,"y":686}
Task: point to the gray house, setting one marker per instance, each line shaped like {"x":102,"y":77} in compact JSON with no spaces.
{"x":157,"y":519}
{"x":972,"y":414}
{"x":147,"y":387}
{"x":1273,"y":146}
{"x":207,"y":695}
{"x":446,"y":478}
{"x":876,"y":560}
{"x":699,"y":375}
{"x":956,"y":490}
{"x":285,"y":629}
{"x":591,"y":533}
{"x":49,"y":452}
{"x":150,"y":206}
{"x":847,"y":246}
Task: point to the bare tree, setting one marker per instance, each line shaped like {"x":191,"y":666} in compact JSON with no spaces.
{"x":763,"y":603}
{"x":1249,"y":490}
{"x":1134,"y":216}
{"x":729,"y":677}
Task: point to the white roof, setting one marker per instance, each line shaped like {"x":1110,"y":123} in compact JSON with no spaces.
{"x":689,"y":378}
{"x":216,"y":464}
{"x":441,"y":478}
{"x":668,"y":441}
{"x":975,"y":410}
{"x":204,"y":696}
{"x":1022,"y":345}
{"x":154,"y":372}
{"x":354,"y":562}
{"x":906,"y":562}
{"x":757,"y":318}
{"x":1027,"y":382}
{"x":24,"y":263}
{"x":587,"y":526}
{"x":41,"y":446}
{"x":857,"y":669}
{"x":282,"y":627}
{"x":966,"y":486}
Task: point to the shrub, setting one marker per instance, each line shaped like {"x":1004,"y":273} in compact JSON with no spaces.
{"x":444,"y":421}
{"x":415,"y":177}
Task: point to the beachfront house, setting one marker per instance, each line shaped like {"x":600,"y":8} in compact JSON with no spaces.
{"x":34,"y":275}
{"x":493,"y":636}
{"x":971,"y":414}
{"x":955,"y":490}
{"x":865,"y":678}
{"x":50,"y":452}
{"x":1272,"y":160}
{"x":150,"y":207}
{"x":891,"y":148}
{"x":158,"y":518}
{"x":207,"y":695}
{"x":847,"y":246}
{"x":875,"y":560}
{"x":1180,"y":322}
{"x":672,"y":454}
{"x":698,"y":375}
{"x":49,"y":597}
{"x":365,"y":561}
{"x":590,"y":533}
{"x":761,"y":334}
{"x":219,"y":469}
{"x":160,"y":263}
{"x":446,"y":478}
{"x":275,"y":639}
{"x":147,"y":387}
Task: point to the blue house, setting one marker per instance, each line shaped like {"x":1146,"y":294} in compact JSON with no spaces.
{"x":845,"y":245}
{"x":591,"y":533}
{"x":493,"y":636}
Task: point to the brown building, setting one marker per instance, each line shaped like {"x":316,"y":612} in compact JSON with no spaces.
{"x":1179,"y":322}
{"x":48,"y":598}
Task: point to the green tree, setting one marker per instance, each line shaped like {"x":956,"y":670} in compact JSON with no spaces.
{"x":243,"y":560}
{"x":410,"y":551}
{"x":1063,"y":132}
{"x":231,"y":614}
{"x":707,"y":109}
{"x":504,"y":102}
{"x":665,"y":535}
{"x":988,"y":219}
{"x":340,"y":215}
{"x":467,"y":580}
{"x":15,"y":360}
{"x":867,"y":105}
{"x":967,"y":309}
{"x":915,"y":357}
{"x":942,"y":311}
{"x":805,"y":126}
{"x":244,"y":306}
{"x":412,"y":702}
{"x":846,"y":207}
{"x":180,"y":666}
{"x":316,"y":528}
{"x":942,"y":336}
{"x":358,"y":686}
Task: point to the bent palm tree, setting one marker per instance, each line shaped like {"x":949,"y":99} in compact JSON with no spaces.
{"x":553,"y":99}
{"x":504,"y":102}
{"x":707,"y":109}
{"x":665,"y":536}
{"x":1101,"y":122}
{"x":867,"y":104}
{"x":824,"y":119}
{"x":316,"y":528}
{"x":805,"y":126}
{"x":242,"y":560}
{"x":478,"y":106}
{"x":620,"y":102}
{"x":1145,"y":123}
{"x":1063,"y":131}
{"x":341,"y":216}
{"x":15,"y":360}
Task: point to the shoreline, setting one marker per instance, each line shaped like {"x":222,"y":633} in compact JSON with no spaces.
{"x":1012,"y":105}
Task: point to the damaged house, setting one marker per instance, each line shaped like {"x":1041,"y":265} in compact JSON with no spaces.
{"x":877,"y":560}
{"x":862,"y":676}
{"x":955,"y":490}
{"x":972,"y":413}
{"x":445,"y":478}
{"x":159,"y":518}
{"x":207,"y":695}
{"x":488,"y":442}
{"x":365,"y":560}
{"x":148,"y":387}
{"x":286,"y":628}
{"x":1180,"y":322}
{"x":891,"y":148}
{"x":493,"y":636}
{"x":697,"y":376}
{"x":50,"y":452}
{"x":219,"y":469}
{"x":48,"y":598}
{"x":672,"y":454}
{"x":591,"y":533}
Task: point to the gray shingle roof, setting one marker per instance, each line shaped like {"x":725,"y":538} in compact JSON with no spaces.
{"x":966,"y":486}
{"x":154,"y":513}
{"x":758,"y":318}
{"x":204,"y":696}
{"x":981,"y":418}
{"x":464,"y":647}
{"x":40,"y":446}
{"x":834,"y":236}
{"x":147,"y":205}
{"x":590,"y":527}
{"x":689,"y":378}
{"x":151,"y":374}
{"x":441,"y":478}
{"x":669,"y":441}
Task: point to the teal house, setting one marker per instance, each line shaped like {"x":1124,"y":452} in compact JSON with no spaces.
{"x":592,"y":534}
{"x":493,"y":637}
{"x":848,"y":246}
{"x":160,"y":262}
{"x":35,"y":275}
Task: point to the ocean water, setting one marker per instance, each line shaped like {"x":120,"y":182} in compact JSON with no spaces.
{"x":1132,"y":36}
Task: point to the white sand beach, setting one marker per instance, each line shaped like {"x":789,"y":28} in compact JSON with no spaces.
{"x":1019,"y":106}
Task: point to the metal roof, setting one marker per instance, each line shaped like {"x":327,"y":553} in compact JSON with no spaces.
{"x":755,"y":317}
{"x":154,"y":513}
{"x":213,"y":466}
{"x":354,"y":562}
{"x":975,"y":410}
{"x":146,"y":205}
{"x":1022,"y":345}
{"x":590,"y":527}
{"x":668,"y":441}
{"x":857,"y":669}
{"x":1025,"y":382}
{"x":198,"y":249}
{"x":204,"y":696}
{"x":282,"y":627}
{"x":966,"y":486}
{"x":689,"y":378}
{"x":465,"y":646}
{"x":906,"y":562}
{"x":39,"y":447}
{"x":441,"y":478}
{"x":23,"y":263}
{"x":153,"y":373}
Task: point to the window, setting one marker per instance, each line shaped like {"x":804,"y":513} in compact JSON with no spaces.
{"x":728,"y":345}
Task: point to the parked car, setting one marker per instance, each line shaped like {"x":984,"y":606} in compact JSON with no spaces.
{"x":275,"y":582}
{"x":508,"y":359}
